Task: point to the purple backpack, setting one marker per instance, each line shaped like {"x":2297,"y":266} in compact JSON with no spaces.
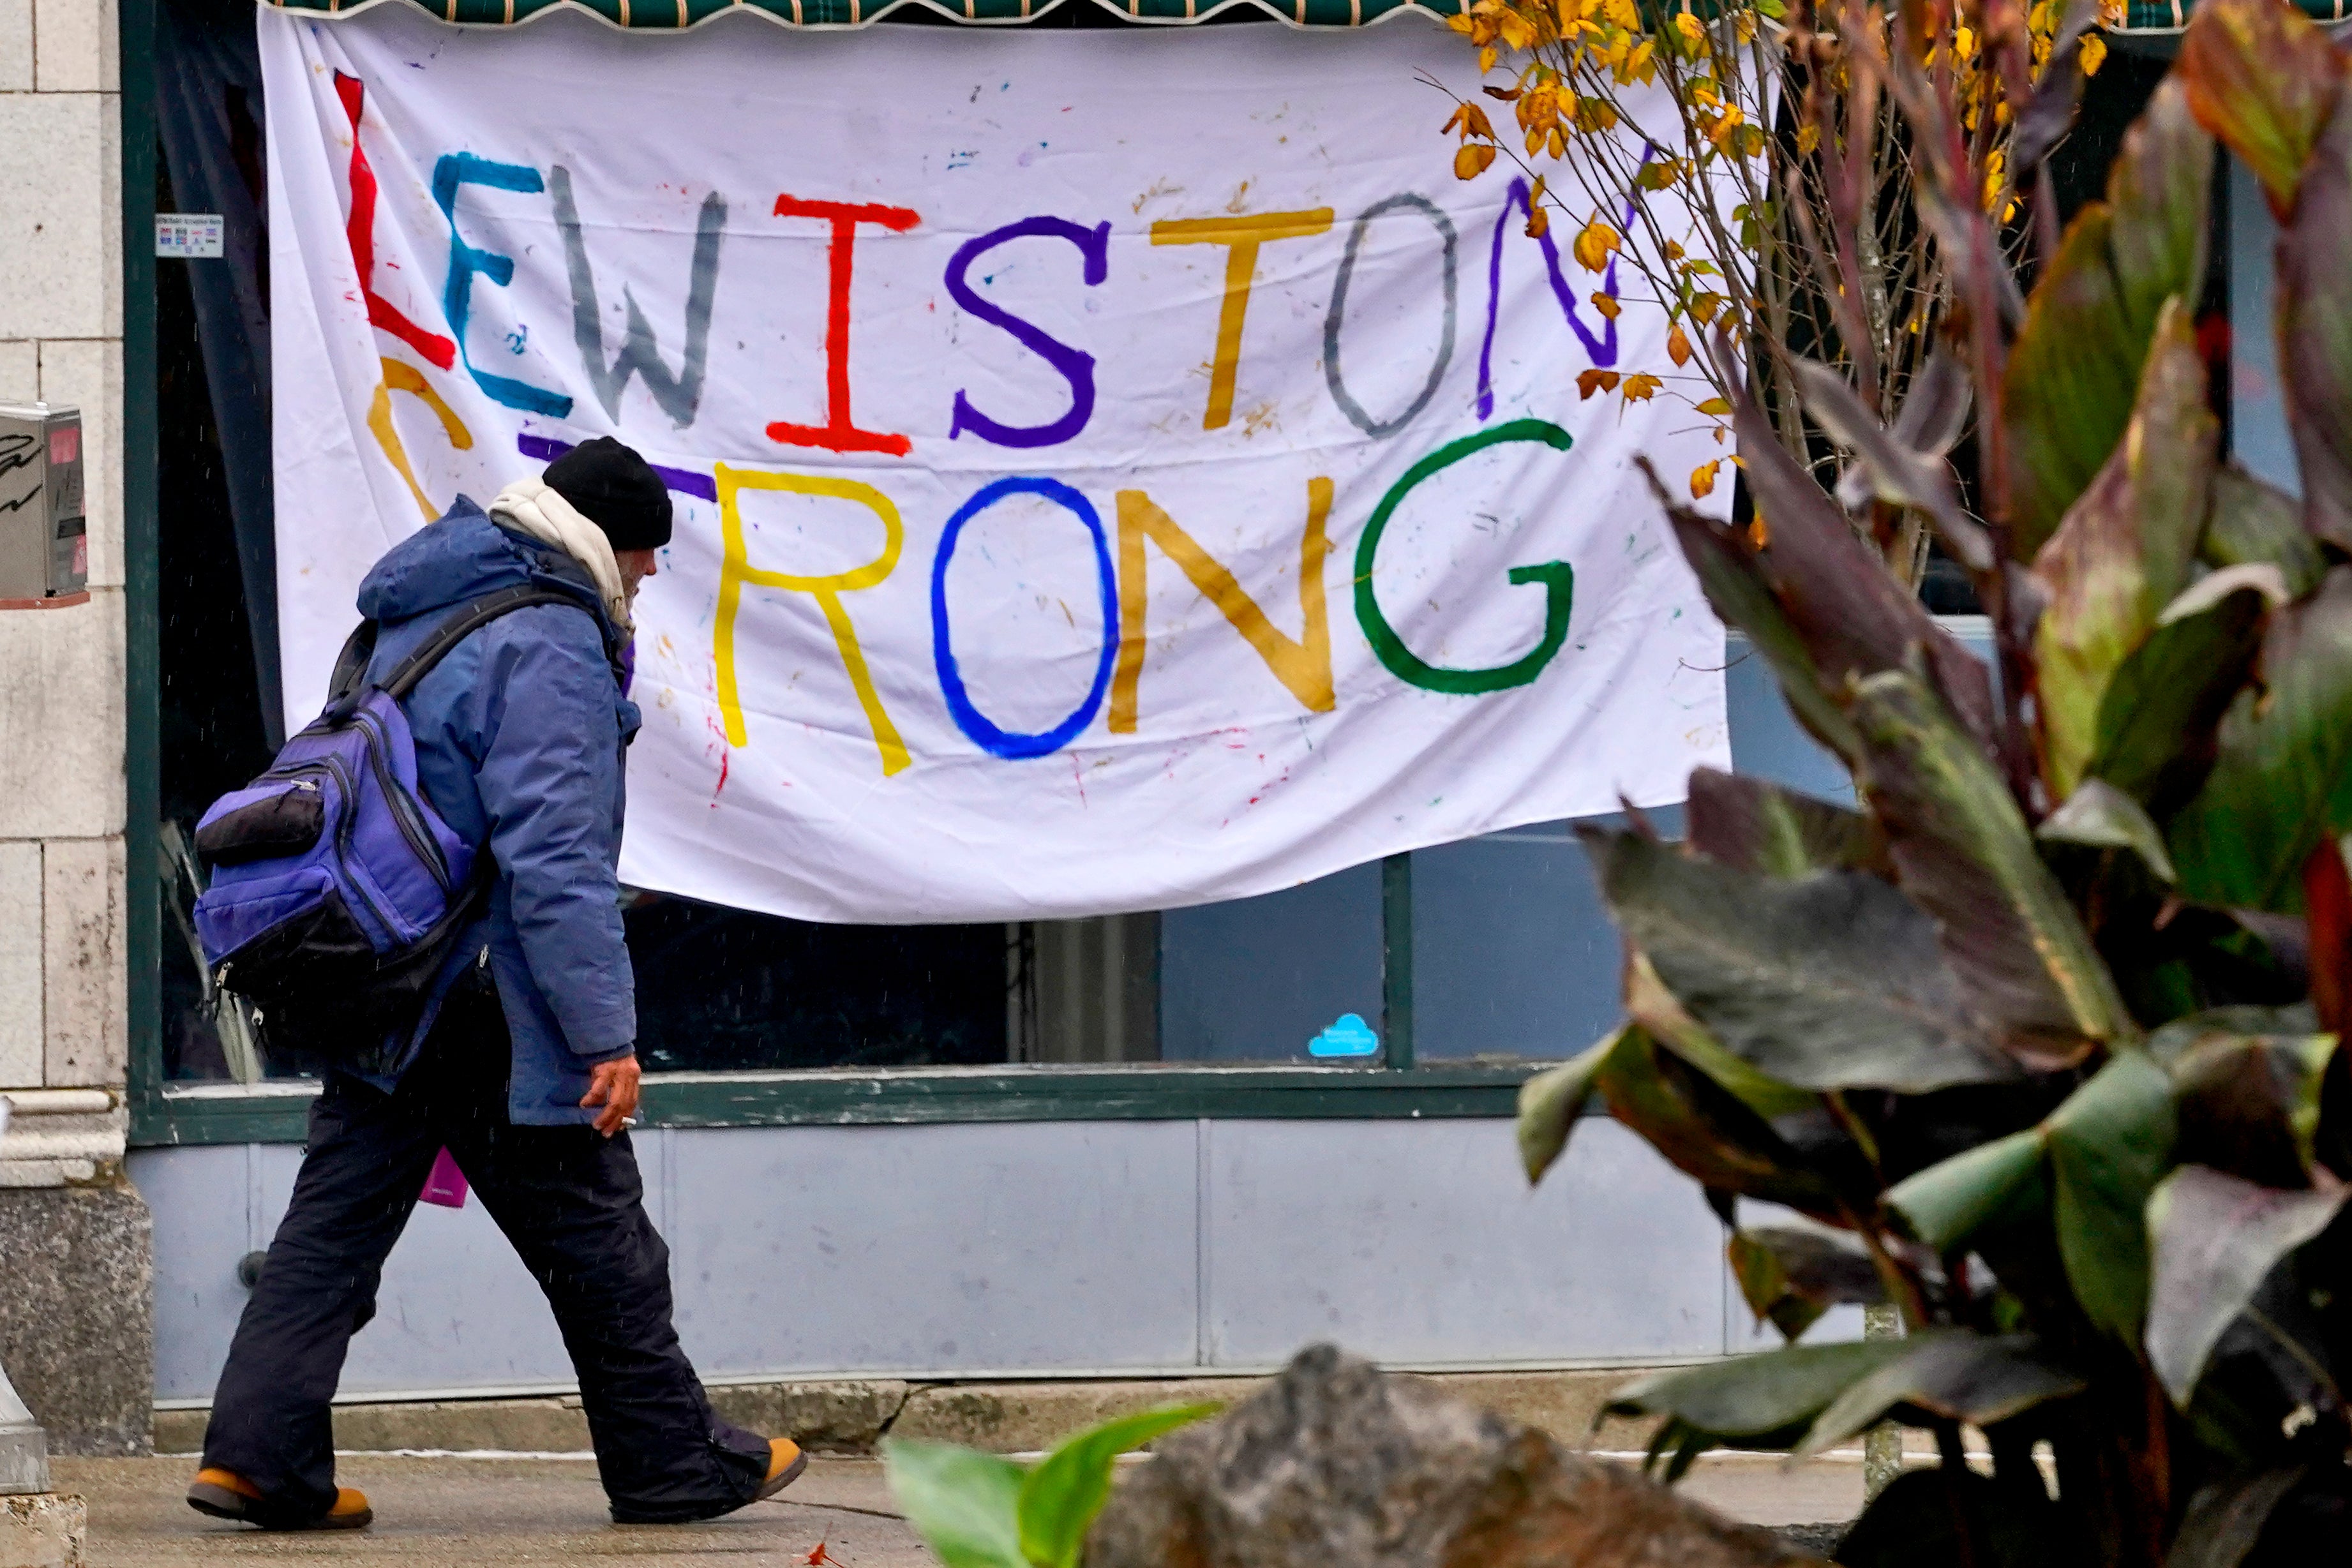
{"x":337,"y":890}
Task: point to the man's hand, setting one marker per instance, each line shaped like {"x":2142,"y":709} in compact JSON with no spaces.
{"x":613,"y":1085}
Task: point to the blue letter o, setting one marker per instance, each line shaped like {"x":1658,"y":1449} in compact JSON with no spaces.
{"x":970,"y":719}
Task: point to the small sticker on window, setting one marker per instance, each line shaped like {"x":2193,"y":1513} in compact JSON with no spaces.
{"x":190,"y":236}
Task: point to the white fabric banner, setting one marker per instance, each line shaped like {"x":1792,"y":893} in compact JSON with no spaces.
{"x":1114,"y":470}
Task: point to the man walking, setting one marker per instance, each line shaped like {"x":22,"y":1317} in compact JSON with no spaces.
{"x":524,"y":1065}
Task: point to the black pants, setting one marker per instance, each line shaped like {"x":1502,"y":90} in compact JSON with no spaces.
{"x":571,"y":1202}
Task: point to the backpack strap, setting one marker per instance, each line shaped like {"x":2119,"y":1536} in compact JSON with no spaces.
{"x":401,"y":678}
{"x":350,"y":664}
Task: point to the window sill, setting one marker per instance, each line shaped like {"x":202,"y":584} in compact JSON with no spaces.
{"x":278,"y":1112}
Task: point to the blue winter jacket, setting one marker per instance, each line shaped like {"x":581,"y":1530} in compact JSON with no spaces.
{"x":519,"y":734}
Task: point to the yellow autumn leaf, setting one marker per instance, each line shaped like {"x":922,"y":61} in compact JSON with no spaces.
{"x":1453,"y":121}
{"x":1642,"y":387}
{"x":1590,"y":381}
{"x":1607,"y":304}
{"x":1539,"y":222}
{"x":1486,"y":58}
{"x":1475,"y":123}
{"x":1758,"y":535}
{"x":1594,"y":244}
{"x":1556,"y":144}
{"x":1808,"y":137}
{"x":1702,"y":479}
{"x":1679,"y":346}
{"x":1471,"y":160}
{"x":2094,"y":54}
{"x":1716,"y":406}
{"x":1703,"y":307}
{"x":1674,"y":250}
{"x":1693,"y":33}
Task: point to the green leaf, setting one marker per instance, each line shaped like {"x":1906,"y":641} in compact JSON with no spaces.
{"x":2248,"y":1103}
{"x":2125,"y":548}
{"x":1753,"y":825}
{"x":2262,"y":77}
{"x":1853,"y":617}
{"x":1704,"y":1130}
{"x":2314,"y":324}
{"x":2109,"y":1145}
{"x":2252,"y":522}
{"x":2217,"y":1239}
{"x":1900,"y":474}
{"x":1551,"y":1102}
{"x":1792,"y":1276}
{"x":1828,"y":981}
{"x":2099,"y":815}
{"x":1994,"y":1184}
{"x":2283,"y":774}
{"x":1732,"y":577}
{"x":1767,"y":1399}
{"x":1062,"y":1496}
{"x":1950,"y":1374}
{"x":1961,"y":846}
{"x":2225,"y":1520}
{"x":965,"y":1504}
{"x":1649,"y":1003}
{"x":2159,"y":714}
{"x":2074,"y":370}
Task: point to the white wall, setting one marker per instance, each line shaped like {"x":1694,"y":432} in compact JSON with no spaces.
{"x":63,"y":1017}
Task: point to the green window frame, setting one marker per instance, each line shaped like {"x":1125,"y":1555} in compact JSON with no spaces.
{"x":1393,"y":1085}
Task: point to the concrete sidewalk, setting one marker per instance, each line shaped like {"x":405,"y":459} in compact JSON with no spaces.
{"x":462,"y":1513}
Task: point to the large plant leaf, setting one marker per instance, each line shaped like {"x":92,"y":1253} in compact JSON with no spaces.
{"x":2124,"y":549}
{"x":2281,"y":774}
{"x":1737,"y":590}
{"x":2263,"y":79}
{"x":2217,"y":1239}
{"x":1061,"y":1497}
{"x":1828,"y":981}
{"x":1960,"y":845}
{"x":1649,"y":1003}
{"x":2254,"y":523}
{"x":2314,"y":320}
{"x":1948,"y":1518}
{"x":2100,"y":815}
{"x":1947,"y":1374}
{"x":2248,"y":1103}
{"x":1767,"y":1399}
{"x":2074,"y":370}
{"x":1791,"y":1276}
{"x":965,"y":1504}
{"x":1995,"y":1184}
{"x":1756,"y":826}
{"x":2109,"y":1145}
{"x":1551,"y":1102}
{"x":2225,"y":1520}
{"x":1900,"y":474}
{"x":1704,"y":1132}
{"x":2161,"y":706}
{"x":1854,"y":618}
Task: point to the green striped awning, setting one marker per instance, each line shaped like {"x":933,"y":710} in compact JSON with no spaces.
{"x":669,"y":16}
{"x":2159,"y":16}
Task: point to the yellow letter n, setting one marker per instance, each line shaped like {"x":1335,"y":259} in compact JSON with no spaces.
{"x":735,"y":569}
{"x":1304,"y":665}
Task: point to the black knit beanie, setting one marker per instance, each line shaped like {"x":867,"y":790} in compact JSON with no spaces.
{"x":612,"y":487}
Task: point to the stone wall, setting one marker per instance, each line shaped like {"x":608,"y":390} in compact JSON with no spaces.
{"x":75,"y":1250}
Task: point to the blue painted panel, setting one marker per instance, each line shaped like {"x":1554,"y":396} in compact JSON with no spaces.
{"x":1256,"y":979}
{"x":992,"y":1249}
{"x":2258,"y":427}
{"x":1420,"y":1242}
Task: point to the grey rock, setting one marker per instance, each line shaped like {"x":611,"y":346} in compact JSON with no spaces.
{"x":1335,"y":1465}
{"x":77,"y":1312}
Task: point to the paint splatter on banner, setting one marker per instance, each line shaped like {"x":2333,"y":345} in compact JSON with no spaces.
{"x":1114,"y":470}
